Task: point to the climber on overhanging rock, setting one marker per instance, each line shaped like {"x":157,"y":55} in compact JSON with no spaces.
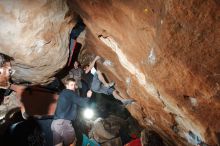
{"x":77,"y":29}
{"x":97,"y":83}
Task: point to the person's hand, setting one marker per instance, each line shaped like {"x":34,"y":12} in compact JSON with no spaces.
{"x":97,"y":58}
{"x":89,"y":93}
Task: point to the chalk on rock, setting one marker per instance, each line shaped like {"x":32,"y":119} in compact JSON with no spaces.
{"x":107,"y":63}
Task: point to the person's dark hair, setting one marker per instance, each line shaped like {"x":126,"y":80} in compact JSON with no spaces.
{"x":84,"y":66}
{"x":69,"y":80}
{"x":2,"y":60}
{"x":79,"y":65}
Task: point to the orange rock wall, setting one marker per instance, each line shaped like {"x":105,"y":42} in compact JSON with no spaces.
{"x":165,"y":55}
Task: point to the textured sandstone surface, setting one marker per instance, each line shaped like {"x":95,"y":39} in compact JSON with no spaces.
{"x":35,"y":34}
{"x":165,"y":55}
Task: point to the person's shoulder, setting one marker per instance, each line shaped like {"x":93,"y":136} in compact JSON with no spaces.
{"x":78,"y":69}
{"x":72,"y":70}
{"x":64,"y":91}
{"x":67,"y":93}
{"x":81,"y":70}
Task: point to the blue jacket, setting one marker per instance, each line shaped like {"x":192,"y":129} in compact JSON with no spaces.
{"x":67,"y":105}
{"x":77,"y":30}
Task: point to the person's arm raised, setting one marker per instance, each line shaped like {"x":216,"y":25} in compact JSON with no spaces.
{"x":92,"y":64}
{"x":82,"y":101}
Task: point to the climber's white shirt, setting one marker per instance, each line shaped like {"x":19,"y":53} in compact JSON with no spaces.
{"x":93,"y":71}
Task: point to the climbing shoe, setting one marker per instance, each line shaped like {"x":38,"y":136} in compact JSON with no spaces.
{"x":111,"y":84}
{"x":127,"y":101}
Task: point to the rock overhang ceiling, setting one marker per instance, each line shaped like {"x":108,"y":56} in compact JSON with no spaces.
{"x":34,"y":33}
{"x":163,"y":54}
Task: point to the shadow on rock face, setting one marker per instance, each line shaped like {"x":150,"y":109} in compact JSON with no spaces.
{"x":151,"y":138}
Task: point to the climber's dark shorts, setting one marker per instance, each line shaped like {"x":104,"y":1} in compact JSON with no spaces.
{"x":98,"y":87}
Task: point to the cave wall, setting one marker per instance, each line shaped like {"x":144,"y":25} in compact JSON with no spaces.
{"x":165,"y":55}
{"x":35,"y":34}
